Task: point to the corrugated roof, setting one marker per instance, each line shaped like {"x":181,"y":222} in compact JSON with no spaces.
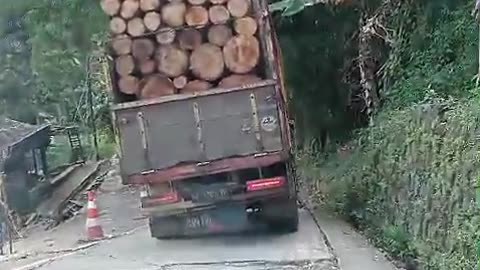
{"x":13,"y":132}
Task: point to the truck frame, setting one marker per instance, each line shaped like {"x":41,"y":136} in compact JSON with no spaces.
{"x":214,"y":161}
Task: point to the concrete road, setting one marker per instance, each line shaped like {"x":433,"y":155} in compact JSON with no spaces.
{"x":130,"y":246}
{"x":305,"y":249}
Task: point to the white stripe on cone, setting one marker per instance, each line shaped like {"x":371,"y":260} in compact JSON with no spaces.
{"x":92,"y":222}
{"x":91,"y":205}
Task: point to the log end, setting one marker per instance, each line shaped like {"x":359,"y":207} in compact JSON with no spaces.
{"x":156,"y":86}
{"x":196,"y":86}
{"x":241,"y":54}
{"x":206,"y":62}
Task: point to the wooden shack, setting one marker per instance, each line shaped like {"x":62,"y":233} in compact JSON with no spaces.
{"x":23,"y":164}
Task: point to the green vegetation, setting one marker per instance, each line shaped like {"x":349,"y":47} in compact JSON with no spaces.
{"x":408,"y":179}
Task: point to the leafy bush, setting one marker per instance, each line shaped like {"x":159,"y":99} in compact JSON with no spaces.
{"x":409,"y":182}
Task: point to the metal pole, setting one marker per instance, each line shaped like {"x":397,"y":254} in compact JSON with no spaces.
{"x":90,"y":105}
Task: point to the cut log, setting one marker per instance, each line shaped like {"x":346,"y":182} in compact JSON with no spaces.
{"x":122,"y":44}
{"x":241,"y":54}
{"x":124,"y":65}
{"x":129,"y":8}
{"x":156,"y":85}
{"x":206,"y":62}
{"x":166,"y":36}
{"x":172,"y":61}
{"x":238,"y":8}
{"x":147,"y":5}
{"x":152,"y":20}
{"x":245,"y":26}
{"x":196,"y":2}
{"x":196,"y":86}
{"x":219,"y":34}
{"x":218,"y":14}
{"x":147,"y":67}
{"x":189,"y":39}
{"x":173,"y":14}
{"x":196,"y":16}
{"x":142,"y":49}
{"x":128,"y":85}
{"x":135,"y":27}
{"x":236,"y":80}
{"x":218,"y":2}
{"x":118,"y":25}
{"x":110,"y":7}
{"x":180,"y":82}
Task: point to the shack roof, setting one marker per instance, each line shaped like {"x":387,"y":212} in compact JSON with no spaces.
{"x":13,"y":132}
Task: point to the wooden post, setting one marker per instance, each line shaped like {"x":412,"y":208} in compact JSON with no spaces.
{"x":34,"y":161}
{"x":4,"y":202}
{"x":43,"y":158}
{"x":91,"y":111}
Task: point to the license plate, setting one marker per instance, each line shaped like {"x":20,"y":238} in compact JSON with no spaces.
{"x":209,"y":194}
{"x":198,"y":222}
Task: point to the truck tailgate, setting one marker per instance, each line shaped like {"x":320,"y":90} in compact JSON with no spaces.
{"x":196,"y":129}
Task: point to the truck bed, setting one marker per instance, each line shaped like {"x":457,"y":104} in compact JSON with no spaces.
{"x":197,"y":129}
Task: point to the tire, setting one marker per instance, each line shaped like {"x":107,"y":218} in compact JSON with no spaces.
{"x":163,"y":228}
{"x":284,"y":218}
{"x":290,"y":223}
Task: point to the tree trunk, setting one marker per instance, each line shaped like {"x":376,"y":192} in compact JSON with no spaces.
{"x":122,"y":44}
{"x":135,"y":27}
{"x":124,"y":65}
{"x":219,"y":34}
{"x":147,"y":5}
{"x":196,"y":2}
{"x":128,"y":85}
{"x":245,"y":26}
{"x":238,"y":8}
{"x":166,"y":36}
{"x":206,"y":62}
{"x":142,"y":49}
{"x":241,"y":54}
{"x":172,"y":61}
{"x":367,"y":64}
{"x":189,"y":39}
{"x":129,"y":8}
{"x":156,"y":85}
{"x":110,"y":7}
{"x":180,"y":82}
{"x":152,"y":20}
{"x":236,"y":80}
{"x":173,"y":14}
{"x":118,"y":25}
{"x":196,"y":16}
{"x":147,"y":66}
{"x":196,"y":86}
{"x":218,"y":14}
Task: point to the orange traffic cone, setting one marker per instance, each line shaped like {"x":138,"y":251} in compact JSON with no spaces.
{"x":93,"y":227}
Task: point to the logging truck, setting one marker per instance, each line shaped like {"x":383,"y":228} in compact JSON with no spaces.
{"x":200,"y":114}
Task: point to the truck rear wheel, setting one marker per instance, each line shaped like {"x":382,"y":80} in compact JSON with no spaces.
{"x":290,"y":222}
{"x":282,"y":216}
{"x":163,"y":228}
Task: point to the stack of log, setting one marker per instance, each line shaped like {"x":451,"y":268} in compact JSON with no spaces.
{"x":164,"y":47}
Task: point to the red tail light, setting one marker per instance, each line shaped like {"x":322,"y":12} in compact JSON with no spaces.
{"x":165,"y":198}
{"x":266,"y":183}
